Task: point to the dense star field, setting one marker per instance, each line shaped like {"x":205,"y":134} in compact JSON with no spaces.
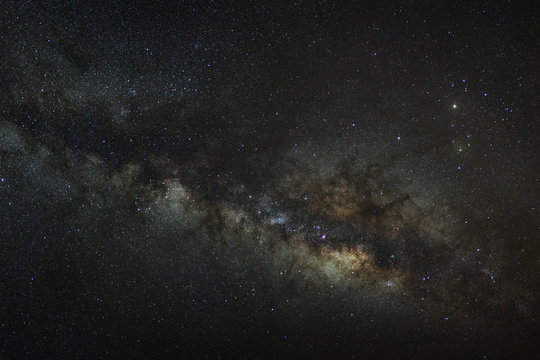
{"x":232,"y":180}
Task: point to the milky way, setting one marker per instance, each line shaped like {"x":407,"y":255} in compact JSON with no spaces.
{"x":212,"y":181}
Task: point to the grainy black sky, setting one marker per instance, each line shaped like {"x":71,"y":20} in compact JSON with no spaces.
{"x":269,"y":180}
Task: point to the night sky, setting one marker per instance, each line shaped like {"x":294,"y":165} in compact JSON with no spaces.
{"x":239,"y":179}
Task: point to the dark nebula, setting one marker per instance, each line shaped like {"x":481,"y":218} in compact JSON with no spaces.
{"x":269,"y":180}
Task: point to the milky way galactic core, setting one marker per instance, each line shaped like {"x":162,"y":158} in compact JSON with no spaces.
{"x":257,"y":180}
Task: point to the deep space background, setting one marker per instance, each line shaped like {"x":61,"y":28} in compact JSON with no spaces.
{"x":269,"y":179}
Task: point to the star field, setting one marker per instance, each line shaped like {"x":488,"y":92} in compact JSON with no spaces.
{"x":269,"y":180}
